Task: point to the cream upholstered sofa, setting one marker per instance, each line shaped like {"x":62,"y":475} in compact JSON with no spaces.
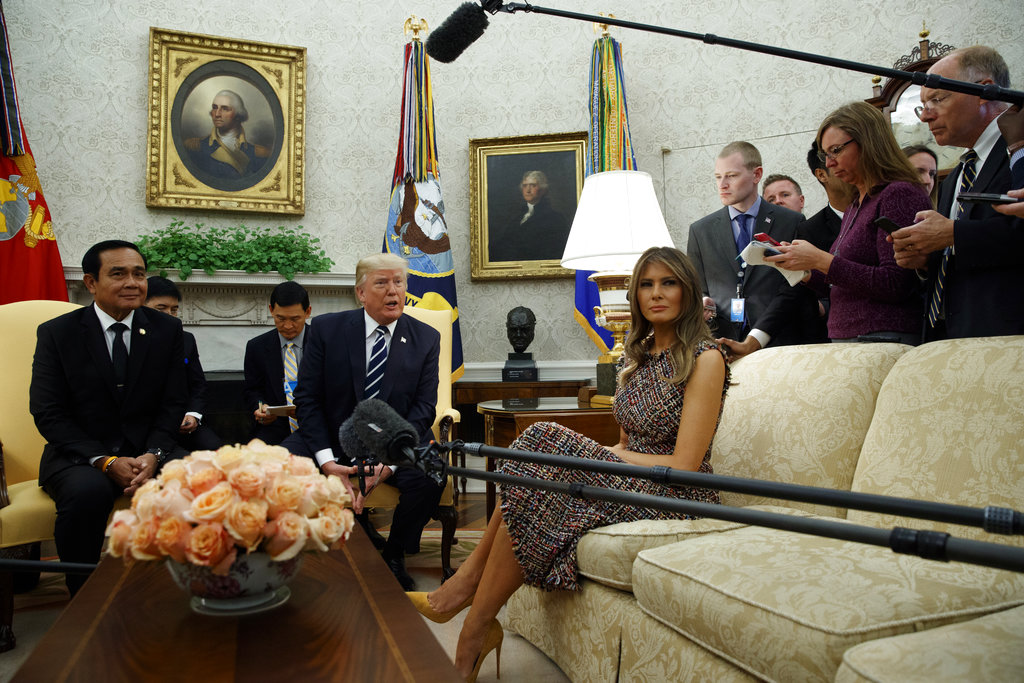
{"x":713,"y":600}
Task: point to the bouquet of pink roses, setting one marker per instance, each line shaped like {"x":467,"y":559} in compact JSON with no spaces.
{"x":206,"y":508}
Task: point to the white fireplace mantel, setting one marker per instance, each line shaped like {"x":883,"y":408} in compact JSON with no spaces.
{"x":223,"y":309}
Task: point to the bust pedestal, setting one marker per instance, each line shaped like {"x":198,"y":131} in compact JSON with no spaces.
{"x":519,"y":368}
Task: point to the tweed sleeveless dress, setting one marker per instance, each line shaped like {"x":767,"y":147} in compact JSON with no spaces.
{"x":546,"y":526}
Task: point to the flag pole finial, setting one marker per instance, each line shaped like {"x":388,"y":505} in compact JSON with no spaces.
{"x":415,"y":25}
{"x":603,"y":28}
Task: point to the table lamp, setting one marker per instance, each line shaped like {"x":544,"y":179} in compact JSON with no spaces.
{"x":617,"y":219}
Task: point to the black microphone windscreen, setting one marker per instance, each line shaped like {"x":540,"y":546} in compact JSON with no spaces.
{"x":380,"y":429}
{"x":349,"y":439}
{"x":465,"y":25}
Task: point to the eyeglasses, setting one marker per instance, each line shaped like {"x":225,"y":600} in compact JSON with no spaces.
{"x":833,"y":153}
{"x":931,"y":105}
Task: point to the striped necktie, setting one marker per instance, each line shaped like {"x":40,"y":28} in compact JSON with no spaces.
{"x":291,"y":376}
{"x":375,"y":367}
{"x":969,"y":159}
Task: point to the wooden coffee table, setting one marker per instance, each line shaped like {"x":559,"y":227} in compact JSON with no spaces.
{"x":347,"y":620}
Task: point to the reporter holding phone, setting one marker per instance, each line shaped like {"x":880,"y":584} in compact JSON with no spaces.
{"x":1011,"y":124}
{"x":872,"y":298}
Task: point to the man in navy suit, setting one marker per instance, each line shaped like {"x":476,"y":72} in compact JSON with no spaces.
{"x":740,"y":294}
{"x":265,"y":382}
{"x":108,"y":392}
{"x":342,"y":352}
{"x":971,"y":252}
{"x":1011,"y":123}
{"x":163,"y":295}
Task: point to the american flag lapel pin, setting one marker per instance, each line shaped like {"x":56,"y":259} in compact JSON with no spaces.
{"x":403,"y":340}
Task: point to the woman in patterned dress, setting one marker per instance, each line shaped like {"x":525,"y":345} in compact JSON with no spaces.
{"x":668,"y":403}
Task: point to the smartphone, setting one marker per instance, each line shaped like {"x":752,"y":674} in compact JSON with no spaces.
{"x":987,"y":198}
{"x":768,"y":251}
{"x":765,"y":237}
{"x":886,"y":224}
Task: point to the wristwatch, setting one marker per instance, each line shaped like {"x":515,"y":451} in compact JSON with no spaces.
{"x":161,"y":456}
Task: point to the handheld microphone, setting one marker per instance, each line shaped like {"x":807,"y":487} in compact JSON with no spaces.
{"x":383,"y":433}
{"x":460,"y":30}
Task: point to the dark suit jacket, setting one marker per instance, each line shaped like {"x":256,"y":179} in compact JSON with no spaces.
{"x":264,"y":381}
{"x":983,"y":278}
{"x":195,"y":376}
{"x":332,"y":376}
{"x":792,"y":317}
{"x":542,"y":236}
{"x":73,"y":398}
{"x":712,"y":249}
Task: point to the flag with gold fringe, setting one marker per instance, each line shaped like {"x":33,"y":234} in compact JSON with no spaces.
{"x":609,"y":148}
{"x":416,"y":228}
{"x":30,"y":266}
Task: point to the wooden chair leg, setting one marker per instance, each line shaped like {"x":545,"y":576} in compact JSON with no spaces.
{"x":448,"y":518}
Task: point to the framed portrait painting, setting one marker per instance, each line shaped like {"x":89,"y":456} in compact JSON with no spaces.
{"x":523,"y":196}
{"x":226,"y":124}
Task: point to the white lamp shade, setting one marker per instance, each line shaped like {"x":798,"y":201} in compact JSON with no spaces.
{"x":617,"y":219}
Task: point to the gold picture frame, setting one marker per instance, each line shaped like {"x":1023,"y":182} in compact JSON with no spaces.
{"x":264,"y":85}
{"x":508,"y":240}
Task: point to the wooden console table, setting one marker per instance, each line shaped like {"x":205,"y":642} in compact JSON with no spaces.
{"x":505,"y":420}
{"x":347,"y":620}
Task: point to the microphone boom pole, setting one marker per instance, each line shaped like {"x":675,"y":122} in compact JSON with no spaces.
{"x":996,"y":520}
{"x":931,"y":545}
{"x":988,"y":92}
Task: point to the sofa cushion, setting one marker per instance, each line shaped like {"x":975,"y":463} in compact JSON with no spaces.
{"x":786,"y":606}
{"x":606,"y":554}
{"x":949,"y":427}
{"x":799,"y":414}
{"x":983,"y":649}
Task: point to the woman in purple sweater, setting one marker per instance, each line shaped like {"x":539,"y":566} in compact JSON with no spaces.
{"x":872,"y":298}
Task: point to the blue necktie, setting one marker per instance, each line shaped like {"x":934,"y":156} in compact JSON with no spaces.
{"x":743,"y":238}
{"x":375,"y":368}
{"x":966,"y":183}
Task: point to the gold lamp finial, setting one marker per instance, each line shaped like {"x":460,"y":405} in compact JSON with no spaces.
{"x":924,"y":31}
{"x":603,"y":28}
{"x":415,"y":25}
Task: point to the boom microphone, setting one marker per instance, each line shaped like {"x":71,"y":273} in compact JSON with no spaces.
{"x":465,"y":25}
{"x":383,"y":434}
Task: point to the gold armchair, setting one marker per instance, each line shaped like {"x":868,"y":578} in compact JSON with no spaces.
{"x":446,"y":416}
{"x":27,"y":514}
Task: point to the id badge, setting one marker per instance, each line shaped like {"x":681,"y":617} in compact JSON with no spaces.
{"x":289,"y":387}
{"x":736,"y":310}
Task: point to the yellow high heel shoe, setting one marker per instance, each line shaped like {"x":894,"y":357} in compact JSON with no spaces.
{"x":422,"y":605}
{"x":495,"y":634}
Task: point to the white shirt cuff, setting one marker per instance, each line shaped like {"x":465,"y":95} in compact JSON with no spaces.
{"x":197,"y":416}
{"x":761,"y":336}
{"x":323,"y":456}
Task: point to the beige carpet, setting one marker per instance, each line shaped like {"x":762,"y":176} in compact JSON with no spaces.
{"x":36,"y":611}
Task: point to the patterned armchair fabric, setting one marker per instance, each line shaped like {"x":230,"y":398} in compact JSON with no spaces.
{"x":984,"y":649}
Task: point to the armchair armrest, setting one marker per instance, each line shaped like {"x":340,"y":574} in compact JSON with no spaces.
{"x":5,"y":499}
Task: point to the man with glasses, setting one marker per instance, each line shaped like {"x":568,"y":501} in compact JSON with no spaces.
{"x":971,"y":253}
{"x":736,"y":295}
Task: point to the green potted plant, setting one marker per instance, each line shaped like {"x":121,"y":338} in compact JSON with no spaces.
{"x":287,"y":250}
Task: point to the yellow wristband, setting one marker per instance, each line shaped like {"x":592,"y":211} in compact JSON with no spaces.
{"x":106,"y":463}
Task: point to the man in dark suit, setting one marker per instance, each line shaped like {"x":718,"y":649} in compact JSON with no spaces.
{"x":107,"y":394}
{"x":971,"y":252}
{"x":163,"y":295}
{"x":265,"y":355}
{"x":1011,"y":123}
{"x":536,"y":230}
{"x":740,"y":294}
{"x":341,"y":367}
